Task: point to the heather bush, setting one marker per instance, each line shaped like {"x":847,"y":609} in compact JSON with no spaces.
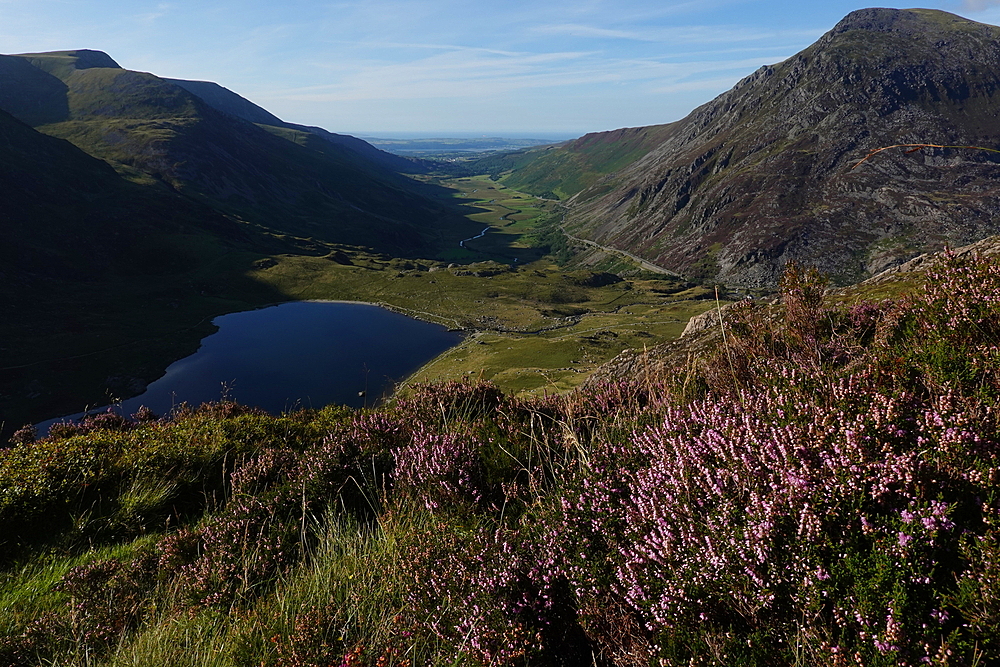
{"x":822,"y":489}
{"x":105,"y":599}
{"x":828,"y":514}
{"x":470,"y":589}
{"x":736,"y":525}
{"x":456,"y":400}
{"x":440,"y":469}
{"x":239,"y":552}
{"x":25,"y":435}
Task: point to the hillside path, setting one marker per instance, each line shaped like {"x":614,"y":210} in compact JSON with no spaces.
{"x":649,"y":266}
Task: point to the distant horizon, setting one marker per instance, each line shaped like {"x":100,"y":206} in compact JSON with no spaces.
{"x":591,"y":66}
{"x":463,"y":134}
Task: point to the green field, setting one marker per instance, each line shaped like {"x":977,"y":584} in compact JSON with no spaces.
{"x":533,"y":326}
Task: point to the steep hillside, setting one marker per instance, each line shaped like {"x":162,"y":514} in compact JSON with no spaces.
{"x":90,"y":261}
{"x":225,"y":100}
{"x":762,"y":174}
{"x":132,"y":213}
{"x":67,"y":215}
{"x":582,"y":163}
{"x":158,"y":131}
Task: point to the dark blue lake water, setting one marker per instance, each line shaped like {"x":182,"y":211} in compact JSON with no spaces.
{"x":298,"y":354}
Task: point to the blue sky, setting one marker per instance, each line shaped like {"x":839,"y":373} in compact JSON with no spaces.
{"x":553,"y":68}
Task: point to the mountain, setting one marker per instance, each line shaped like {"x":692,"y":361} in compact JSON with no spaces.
{"x":67,"y":215}
{"x":763,"y":174}
{"x":566,"y":170}
{"x":225,"y":100}
{"x":213,"y":151}
{"x":133,"y":211}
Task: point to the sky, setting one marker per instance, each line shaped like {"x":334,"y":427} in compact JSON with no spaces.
{"x":518,"y":68}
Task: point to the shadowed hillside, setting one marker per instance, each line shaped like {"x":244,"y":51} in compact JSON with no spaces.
{"x":154,"y":130}
{"x":66,"y":215}
{"x":132,"y":212}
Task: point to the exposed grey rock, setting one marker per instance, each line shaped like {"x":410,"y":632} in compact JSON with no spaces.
{"x":708,"y":319}
{"x":762,"y":175}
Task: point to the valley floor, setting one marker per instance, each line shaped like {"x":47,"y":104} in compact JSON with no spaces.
{"x":536,"y":326}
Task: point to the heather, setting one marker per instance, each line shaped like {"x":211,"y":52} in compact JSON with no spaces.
{"x":820,"y":488}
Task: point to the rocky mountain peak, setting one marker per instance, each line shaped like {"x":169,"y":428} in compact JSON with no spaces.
{"x":881,"y":19}
{"x":762,"y":175}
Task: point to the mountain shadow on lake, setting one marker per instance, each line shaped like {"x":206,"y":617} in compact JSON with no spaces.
{"x":299,"y":354}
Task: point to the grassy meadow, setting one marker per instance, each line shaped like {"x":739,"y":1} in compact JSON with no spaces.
{"x":534,"y":325}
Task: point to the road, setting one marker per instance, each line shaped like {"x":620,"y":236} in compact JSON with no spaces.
{"x":648,"y":266}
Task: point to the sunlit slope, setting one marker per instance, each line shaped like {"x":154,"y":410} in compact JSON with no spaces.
{"x":762,"y":174}
{"x":154,"y":130}
{"x":565,"y":170}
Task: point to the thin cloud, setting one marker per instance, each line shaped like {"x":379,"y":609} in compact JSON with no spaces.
{"x":677,"y":35}
{"x":979,"y":5}
{"x":631,"y":13}
{"x":419,"y":45}
{"x":461,"y":74}
{"x":577,"y":30}
{"x":151,"y":17}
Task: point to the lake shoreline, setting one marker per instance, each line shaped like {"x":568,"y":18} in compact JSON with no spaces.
{"x":298,"y":357}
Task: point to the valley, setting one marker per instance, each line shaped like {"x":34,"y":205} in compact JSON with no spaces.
{"x":694,"y":393}
{"x":534,"y":326}
{"x":161,"y":203}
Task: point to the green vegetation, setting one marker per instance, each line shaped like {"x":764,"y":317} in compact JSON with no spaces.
{"x":537,"y":327}
{"x":814,"y":484}
{"x":570,"y":169}
{"x":820,"y":491}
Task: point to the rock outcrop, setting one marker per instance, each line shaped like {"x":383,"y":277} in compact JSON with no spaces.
{"x":763,"y":174}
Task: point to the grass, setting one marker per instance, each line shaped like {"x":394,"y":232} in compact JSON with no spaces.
{"x":537,"y":329}
{"x":66,"y":358}
{"x":560,"y":360}
{"x":569,"y":170}
{"x":340,"y":591}
{"x":824,"y":488}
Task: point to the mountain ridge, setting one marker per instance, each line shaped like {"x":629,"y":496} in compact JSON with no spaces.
{"x":760,"y":175}
{"x":338,"y":189}
{"x":223,"y":99}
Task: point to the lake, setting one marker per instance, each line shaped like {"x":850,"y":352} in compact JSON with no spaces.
{"x":298,"y":354}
